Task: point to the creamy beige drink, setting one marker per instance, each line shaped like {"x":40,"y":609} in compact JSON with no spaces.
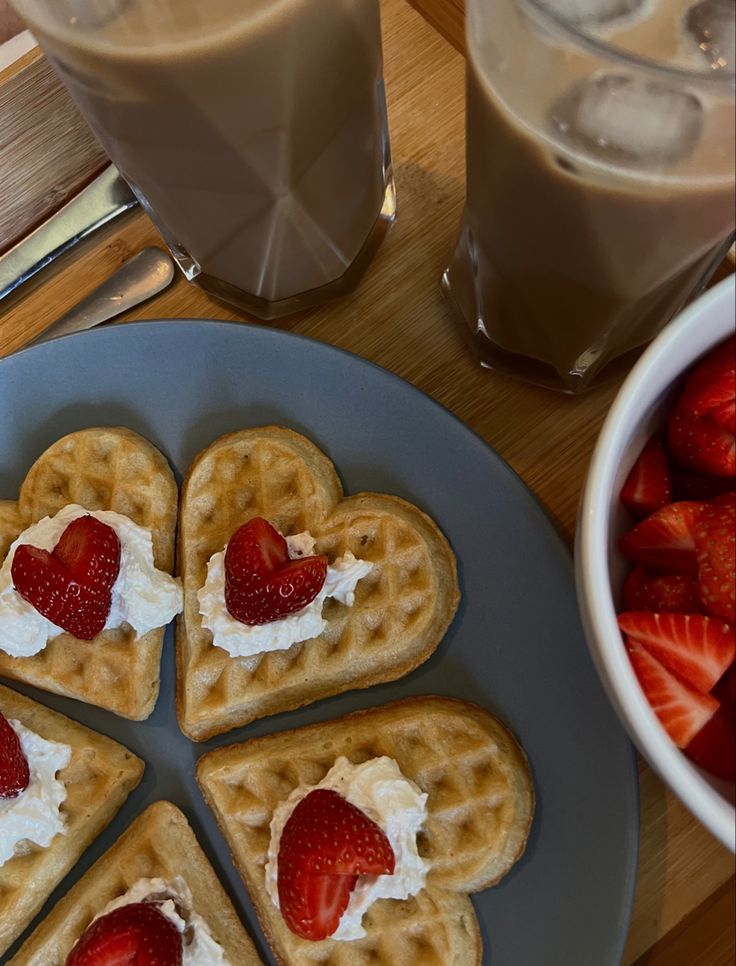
{"x":253,"y":130}
{"x":600,"y":190}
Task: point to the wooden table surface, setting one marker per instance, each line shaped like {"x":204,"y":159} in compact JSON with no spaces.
{"x":683,"y":910}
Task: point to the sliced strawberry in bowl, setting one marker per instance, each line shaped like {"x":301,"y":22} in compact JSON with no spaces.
{"x":714,"y":746}
{"x":715,"y":551}
{"x":648,"y":485}
{"x":138,"y":934}
{"x":664,"y":541}
{"x":15,"y":774}
{"x":261,"y":583}
{"x":697,"y":648}
{"x":326,"y":844}
{"x":701,"y":444}
{"x":689,"y":485}
{"x":681,"y":710}
{"x":644,"y":590}
{"x":71,"y":585}
{"x":711,"y":385}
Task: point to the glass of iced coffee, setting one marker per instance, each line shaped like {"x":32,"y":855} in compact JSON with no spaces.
{"x":600,"y":178}
{"x":253,"y":132}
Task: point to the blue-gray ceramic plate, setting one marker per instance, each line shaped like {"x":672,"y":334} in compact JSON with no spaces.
{"x":516,"y":646}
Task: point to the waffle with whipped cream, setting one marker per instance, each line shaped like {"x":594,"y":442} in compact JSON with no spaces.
{"x":479,"y":811}
{"x":109,"y":468}
{"x":402,"y":607}
{"x":159,"y":844}
{"x":99,"y":777}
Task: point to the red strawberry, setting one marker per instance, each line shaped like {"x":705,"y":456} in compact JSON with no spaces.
{"x":702,"y":445}
{"x":90,"y":549}
{"x":725,"y":416}
{"x":14,"y":771}
{"x":648,"y":485}
{"x":261,"y":583}
{"x":715,"y":548}
{"x":696,"y":648}
{"x":326,"y":844}
{"x":725,"y":690}
{"x":664,"y":541}
{"x":714,"y":746}
{"x":688,"y":485}
{"x":138,"y":934}
{"x":682,"y":711}
{"x":72,"y":585}
{"x":711,"y":386}
{"x":643,"y":590}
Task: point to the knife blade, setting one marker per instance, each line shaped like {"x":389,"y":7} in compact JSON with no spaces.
{"x":102,"y":200}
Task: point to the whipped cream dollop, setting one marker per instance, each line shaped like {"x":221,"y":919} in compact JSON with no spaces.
{"x":34,"y":815}
{"x":174,"y":899}
{"x":379,"y":789}
{"x":142,"y":596}
{"x":243,"y":640}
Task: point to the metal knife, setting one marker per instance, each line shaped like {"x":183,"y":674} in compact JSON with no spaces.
{"x":102,"y":200}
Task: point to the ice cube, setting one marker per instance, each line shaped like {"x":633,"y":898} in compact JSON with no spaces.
{"x":593,"y":13}
{"x":92,"y":13}
{"x":711,"y":24}
{"x":622,"y":119}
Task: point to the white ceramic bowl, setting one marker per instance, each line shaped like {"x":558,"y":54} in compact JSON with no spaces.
{"x":600,"y":569}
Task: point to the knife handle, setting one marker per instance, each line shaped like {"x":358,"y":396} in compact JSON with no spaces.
{"x":102,"y":200}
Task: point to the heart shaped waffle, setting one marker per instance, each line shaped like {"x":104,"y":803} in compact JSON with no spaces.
{"x":98,"y":779}
{"x":402,"y":608}
{"x":159,"y":844}
{"x":479,"y":811}
{"x":100,"y":469}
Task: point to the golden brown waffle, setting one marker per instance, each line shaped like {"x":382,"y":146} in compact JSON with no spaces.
{"x":158,"y":844}
{"x":98,"y":779}
{"x":480,"y":808}
{"x":402,"y":608}
{"x":100,"y":469}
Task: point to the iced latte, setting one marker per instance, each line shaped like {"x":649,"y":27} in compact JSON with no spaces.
{"x":253,"y":131}
{"x":600,"y":177}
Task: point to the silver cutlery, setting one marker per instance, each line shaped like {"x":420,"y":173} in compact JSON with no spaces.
{"x":102,"y":200}
{"x":139,"y":278}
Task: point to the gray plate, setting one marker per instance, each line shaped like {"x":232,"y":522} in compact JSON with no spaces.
{"x":515,"y":647}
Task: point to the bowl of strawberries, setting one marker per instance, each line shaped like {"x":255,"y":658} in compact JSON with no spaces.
{"x":654,"y":557}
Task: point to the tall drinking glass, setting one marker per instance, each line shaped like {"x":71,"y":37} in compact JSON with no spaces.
{"x":600,"y":177}
{"x":254,"y":132}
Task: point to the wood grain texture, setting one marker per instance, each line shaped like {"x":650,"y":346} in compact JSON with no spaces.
{"x":47,"y":152}
{"x":399,"y":319}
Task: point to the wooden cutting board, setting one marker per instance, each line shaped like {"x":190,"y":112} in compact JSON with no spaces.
{"x":47,"y":152}
{"x":398,"y":319}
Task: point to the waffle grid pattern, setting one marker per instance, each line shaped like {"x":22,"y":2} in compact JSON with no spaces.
{"x":158,"y":844}
{"x":480,"y":807}
{"x":401,"y":611}
{"x":100,"y":469}
{"x":98,"y":779}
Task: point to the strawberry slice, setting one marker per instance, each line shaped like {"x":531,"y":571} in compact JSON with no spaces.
{"x":715,"y":549}
{"x":326,"y":844}
{"x":14,"y":772}
{"x":711,"y":386}
{"x":688,"y":485}
{"x":714,"y":746}
{"x":138,"y":934}
{"x":71,"y":585}
{"x":682,"y":711}
{"x":648,"y":485}
{"x":701,"y":444}
{"x":664,"y":541}
{"x":261,"y":583}
{"x":90,"y":549}
{"x":643,"y":590}
{"x":696,"y":648}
